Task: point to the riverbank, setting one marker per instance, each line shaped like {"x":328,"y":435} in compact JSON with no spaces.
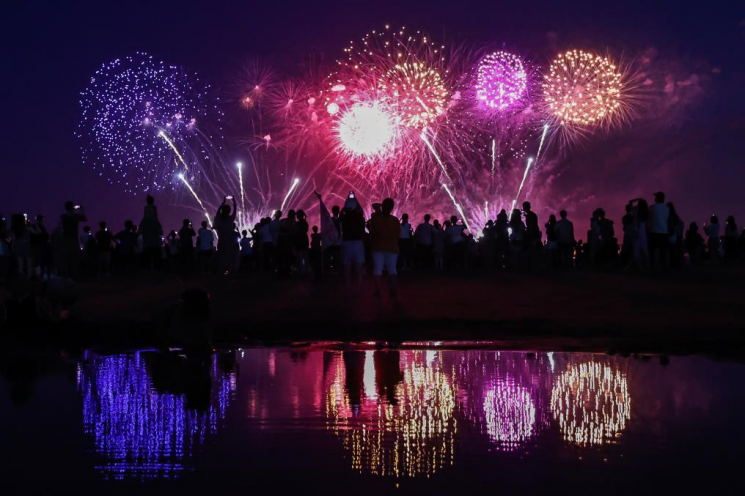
{"x":696,"y":311}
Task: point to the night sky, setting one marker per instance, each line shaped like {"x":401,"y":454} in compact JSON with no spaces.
{"x":51,"y":49}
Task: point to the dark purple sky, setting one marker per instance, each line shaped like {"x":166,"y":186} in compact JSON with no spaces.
{"x":50,"y":49}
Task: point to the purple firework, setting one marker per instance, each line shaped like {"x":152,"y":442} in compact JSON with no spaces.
{"x":501,"y":81}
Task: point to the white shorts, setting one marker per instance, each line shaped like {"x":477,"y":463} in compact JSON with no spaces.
{"x":352,"y":252}
{"x":384,"y":260}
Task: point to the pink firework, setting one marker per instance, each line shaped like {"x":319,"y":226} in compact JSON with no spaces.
{"x":501,"y":81}
{"x":366,"y":129}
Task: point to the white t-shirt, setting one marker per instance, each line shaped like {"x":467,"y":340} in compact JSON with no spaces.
{"x":206,"y":239}
{"x":659,"y":213}
{"x":405,"y":230}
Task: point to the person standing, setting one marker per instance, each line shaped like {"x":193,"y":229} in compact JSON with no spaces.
{"x":404,"y":243}
{"x":712,"y":230}
{"x":227,"y":244}
{"x":104,"y":239}
{"x":40,"y":247}
{"x":206,"y":243}
{"x":517,"y":234}
{"x":552,"y":241}
{"x":352,"y":222}
{"x":565,"y":239}
{"x":424,"y":238}
{"x":438,"y":245}
{"x":532,"y":240}
{"x":629,"y":234}
{"x":4,"y":250}
{"x":731,"y":237}
{"x":126,"y":247}
{"x":502,"y":238}
{"x":152,"y":234}
{"x":69,"y":245}
{"x":186,"y":237}
{"x":300,"y":241}
{"x":385,"y":230}
{"x":659,"y":232}
{"x":456,"y":239}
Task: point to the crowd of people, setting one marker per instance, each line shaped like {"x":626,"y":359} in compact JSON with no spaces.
{"x":652,"y":238}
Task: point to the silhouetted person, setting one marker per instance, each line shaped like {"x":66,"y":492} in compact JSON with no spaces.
{"x":227,"y":244}
{"x":404,"y":243}
{"x":641,"y":219}
{"x":455,"y":247}
{"x":552,"y":240}
{"x":565,"y":238}
{"x":41,"y":250}
{"x":384,"y":233}
{"x":152,"y":234}
{"x":424,"y":238}
{"x":659,"y":232}
{"x":730,"y":239}
{"x":300,"y":241}
{"x":104,"y":240}
{"x":186,"y":237}
{"x":20,"y":243}
{"x":438,"y":245}
{"x":352,"y":222}
{"x":206,"y":245}
{"x":502,"y":238}
{"x":712,"y":230}
{"x":516,"y":231}
{"x":532,"y":231}
{"x":676,"y":229}
{"x":246,"y":251}
{"x":126,"y":247}
{"x":630,"y":234}
{"x":69,"y":245}
{"x":4,"y":249}
{"x":285,"y":243}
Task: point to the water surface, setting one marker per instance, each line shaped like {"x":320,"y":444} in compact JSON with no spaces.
{"x":366,"y":421}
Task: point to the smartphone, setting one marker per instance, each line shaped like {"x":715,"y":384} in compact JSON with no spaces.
{"x":77,"y":207}
{"x":228,"y":197}
{"x":351,"y":194}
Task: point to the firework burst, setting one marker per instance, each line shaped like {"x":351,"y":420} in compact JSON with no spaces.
{"x":501,"y":81}
{"x":582,"y":89}
{"x":136,"y":113}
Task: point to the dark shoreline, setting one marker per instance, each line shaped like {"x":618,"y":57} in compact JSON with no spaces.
{"x":697,"y":311}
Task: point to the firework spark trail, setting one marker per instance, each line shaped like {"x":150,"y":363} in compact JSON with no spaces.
{"x":531,"y":161}
{"x":289,"y":193}
{"x":196,"y":197}
{"x":444,"y":185}
{"x":163,"y":135}
{"x":540,"y":145}
{"x":437,"y":157}
{"x":493,"y":155}
{"x":457,"y":206}
{"x":522,"y":183}
{"x":240,"y":181}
